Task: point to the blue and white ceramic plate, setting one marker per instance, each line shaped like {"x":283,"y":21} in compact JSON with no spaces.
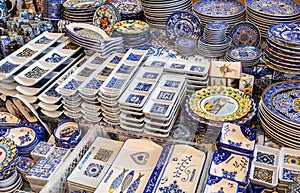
{"x":274,"y":8}
{"x":283,"y":100}
{"x":286,"y":32}
{"x":183,"y":24}
{"x":219,"y":8}
{"x":217,"y":26}
{"x":246,"y":34}
{"x":244,"y":53}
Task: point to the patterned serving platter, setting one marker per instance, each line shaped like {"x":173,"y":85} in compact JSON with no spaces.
{"x":128,"y":6}
{"x":79,"y":4}
{"x":219,"y":8}
{"x":131,"y":27}
{"x":283,"y":100}
{"x":246,"y":34}
{"x":183,"y":23}
{"x":288,"y":33}
{"x":274,"y":8}
{"x":219,"y":103}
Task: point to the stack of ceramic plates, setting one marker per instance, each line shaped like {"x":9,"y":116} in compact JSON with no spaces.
{"x":248,"y":55}
{"x":279,"y":112}
{"x":214,"y":105}
{"x":130,"y":9}
{"x":133,"y":100}
{"x":215,"y":32}
{"x":229,"y":11}
{"x":158,"y":12}
{"x":105,"y":17}
{"x":116,"y":83}
{"x":282,"y":52}
{"x":186,"y":46}
{"x":214,"y":42}
{"x":10,"y":180}
{"x":264,"y":13}
{"x":93,"y":38}
{"x":80,"y":10}
{"x":135,"y":33}
{"x":162,"y":108}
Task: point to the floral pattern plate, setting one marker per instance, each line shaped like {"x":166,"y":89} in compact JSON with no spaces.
{"x":105,"y":17}
{"x":274,"y":8}
{"x":79,"y":4}
{"x":131,"y":27}
{"x":219,"y":103}
{"x":219,"y":8}
{"x":286,"y":33}
{"x":283,"y":100}
{"x":246,"y":34}
{"x":244,"y":53}
{"x":183,"y":23}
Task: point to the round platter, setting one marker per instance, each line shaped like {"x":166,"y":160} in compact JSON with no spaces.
{"x":183,"y":23}
{"x":131,"y":27}
{"x":8,"y":153}
{"x":219,"y":8}
{"x":286,"y":32}
{"x":246,"y":34}
{"x":219,"y":103}
{"x":244,"y":53}
{"x":276,"y":8}
{"x":128,"y":6}
{"x":283,"y":100}
{"x":79,"y":4}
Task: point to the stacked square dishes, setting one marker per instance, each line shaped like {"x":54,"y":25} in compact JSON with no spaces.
{"x":116,"y":83}
{"x":88,"y":90}
{"x":163,"y":106}
{"x":133,"y":100}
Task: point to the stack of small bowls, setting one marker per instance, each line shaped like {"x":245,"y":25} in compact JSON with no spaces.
{"x":186,"y":46}
{"x":214,"y":42}
{"x":67,"y":134}
{"x":10,"y":180}
{"x":248,"y":55}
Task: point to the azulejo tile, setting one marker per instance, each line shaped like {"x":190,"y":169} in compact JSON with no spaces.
{"x":265,"y":158}
{"x":7,"y":67}
{"x":93,"y":170}
{"x":263,"y":174}
{"x":103,"y":155}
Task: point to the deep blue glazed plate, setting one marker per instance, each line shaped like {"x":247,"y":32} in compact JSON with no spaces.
{"x":246,"y":34}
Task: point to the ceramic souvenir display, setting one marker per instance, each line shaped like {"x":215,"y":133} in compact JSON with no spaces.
{"x":157,"y":13}
{"x":105,"y":17}
{"x":26,"y":53}
{"x":274,"y":103}
{"x":264,"y":14}
{"x":266,"y":155}
{"x":217,"y":184}
{"x":245,"y":34}
{"x":231,"y":166}
{"x":247,"y":55}
{"x":264,"y":175}
{"x":135,"y":33}
{"x":67,"y":134}
{"x":183,"y":24}
{"x":94,"y":164}
{"x":238,"y":139}
{"x":161,"y":108}
{"x":115,"y":84}
{"x":132,"y":168}
{"x":228,"y":11}
{"x":93,"y":38}
{"x":133,"y":100}
{"x":282,"y":51}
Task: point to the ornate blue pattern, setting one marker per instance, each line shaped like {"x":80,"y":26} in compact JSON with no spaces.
{"x":265,"y":158}
{"x":73,"y":84}
{"x":7,"y":67}
{"x":173,"y":187}
{"x":25,"y":138}
{"x":228,"y":175}
{"x":93,"y":170}
{"x":140,"y":158}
